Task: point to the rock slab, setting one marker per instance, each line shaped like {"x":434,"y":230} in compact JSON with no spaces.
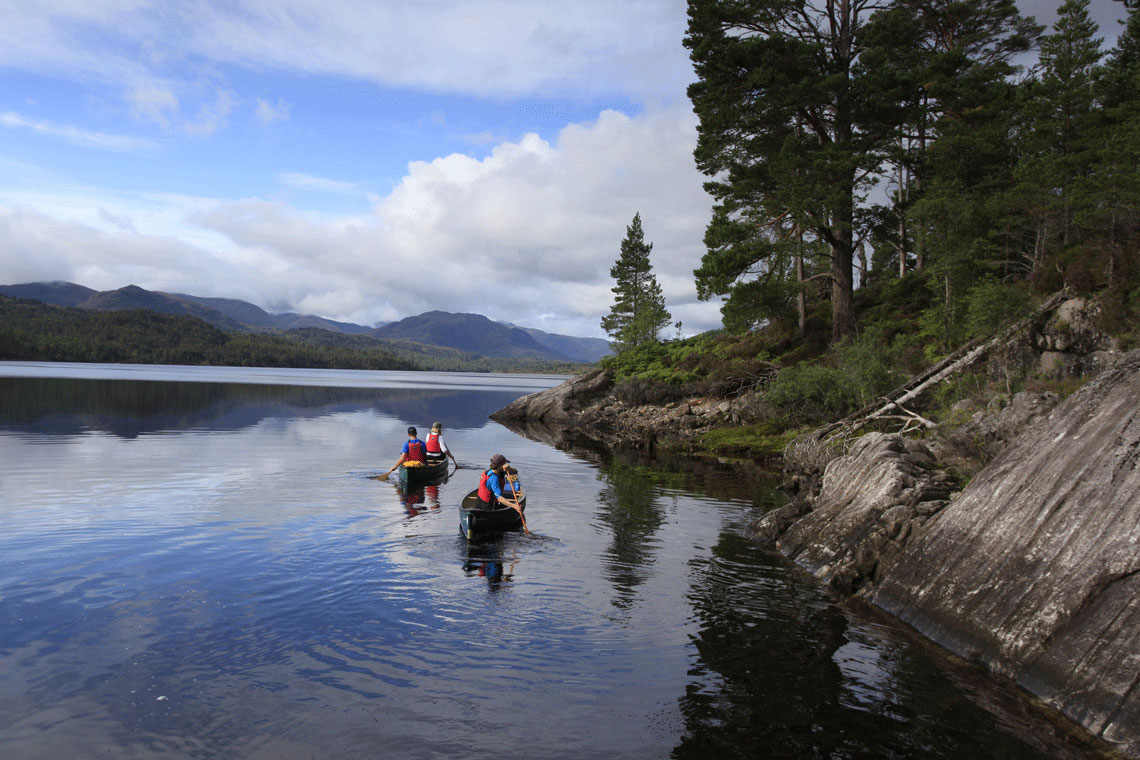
{"x":1034,"y":570}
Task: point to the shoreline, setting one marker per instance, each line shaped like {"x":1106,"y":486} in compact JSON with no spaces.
{"x":911,"y":525}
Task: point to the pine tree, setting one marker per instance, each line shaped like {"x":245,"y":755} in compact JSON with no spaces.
{"x":1066,"y":118}
{"x":1115,"y":182}
{"x":638,"y":314}
{"x":784,"y":135}
{"x":941,"y":69}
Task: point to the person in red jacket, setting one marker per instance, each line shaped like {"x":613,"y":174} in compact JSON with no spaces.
{"x":437,"y":450}
{"x":414,"y":450}
{"x":495,"y":484}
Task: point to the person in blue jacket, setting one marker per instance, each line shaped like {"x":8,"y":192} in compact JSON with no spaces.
{"x":413,"y":451}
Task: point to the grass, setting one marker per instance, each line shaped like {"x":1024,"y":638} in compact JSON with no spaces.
{"x":759,"y":441}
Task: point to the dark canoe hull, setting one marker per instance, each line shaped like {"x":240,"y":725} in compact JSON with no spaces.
{"x":421,"y":476}
{"x":476,"y":522}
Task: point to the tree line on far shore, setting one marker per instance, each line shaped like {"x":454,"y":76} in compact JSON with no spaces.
{"x":34,"y":331}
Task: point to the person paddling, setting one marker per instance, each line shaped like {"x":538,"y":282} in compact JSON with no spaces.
{"x":497,"y":482}
{"x":437,"y":450}
{"x":413,"y":451}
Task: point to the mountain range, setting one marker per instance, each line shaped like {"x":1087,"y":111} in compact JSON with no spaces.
{"x":469,"y":333}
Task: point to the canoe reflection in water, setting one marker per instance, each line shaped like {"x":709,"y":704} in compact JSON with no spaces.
{"x":418,"y":500}
{"x":495,"y":564}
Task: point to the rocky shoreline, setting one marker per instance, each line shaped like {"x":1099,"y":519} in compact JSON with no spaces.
{"x":1011,"y":538}
{"x":585,"y":409}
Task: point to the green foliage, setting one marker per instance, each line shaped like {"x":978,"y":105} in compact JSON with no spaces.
{"x":760,"y":441}
{"x":638,"y":314}
{"x":788,"y":138}
{"x":991,"y":305}
{"x":667,"y":362}
{"x":851,"y":376}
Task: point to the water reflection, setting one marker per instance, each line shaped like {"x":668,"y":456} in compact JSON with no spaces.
{"x":58,"y":406}
{"x":492,"y":561}
{"x":417,"y":499}
{"x":630,"y":509}
{"x":246,"y":567}
{"x":789,"y":674}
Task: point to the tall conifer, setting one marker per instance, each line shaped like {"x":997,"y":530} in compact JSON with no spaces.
{"x":638,"y":314}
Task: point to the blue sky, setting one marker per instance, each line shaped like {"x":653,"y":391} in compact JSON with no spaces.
{"x":361,"y":161}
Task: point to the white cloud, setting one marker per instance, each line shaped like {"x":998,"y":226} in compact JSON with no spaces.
{"x":211,"y":116}
{"x":481,"y":47}
{"x":153,"y":102}
{"x":77,"y":136}
{"x":300,"y":181}
{"x":267,"y":112}
{"x":527,"y":234}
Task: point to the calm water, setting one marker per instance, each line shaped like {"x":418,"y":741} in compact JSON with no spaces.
{"x":207,"y":569}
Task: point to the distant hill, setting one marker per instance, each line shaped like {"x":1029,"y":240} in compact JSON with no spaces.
{"x":223,"y":313}
{"x":134,"y":297}
{"x":35,"y":331}
{"x":255,"y":316}
{"x":58,"y":293}
{"x":468,"y":332}
{"x":587,"y":350}
{"x":438,"y":338}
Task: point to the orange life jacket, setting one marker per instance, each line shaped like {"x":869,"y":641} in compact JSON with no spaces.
{"x":433,"y":444}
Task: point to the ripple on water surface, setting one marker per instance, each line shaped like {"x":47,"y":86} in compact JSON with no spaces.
{"x":209,"y":571}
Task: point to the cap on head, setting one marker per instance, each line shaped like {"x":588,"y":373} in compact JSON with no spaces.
{"x":411,"y":431}
{"x":498,"y":460}
{"x":437,"y":426}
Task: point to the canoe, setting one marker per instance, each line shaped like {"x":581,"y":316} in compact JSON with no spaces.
{"x":475,"y":520}
{"x":418,"y":476}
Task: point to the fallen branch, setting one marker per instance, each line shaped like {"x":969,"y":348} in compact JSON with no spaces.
{"x":886,"y":407}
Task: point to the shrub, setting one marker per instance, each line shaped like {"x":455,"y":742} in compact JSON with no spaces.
{"x":991,"y":305}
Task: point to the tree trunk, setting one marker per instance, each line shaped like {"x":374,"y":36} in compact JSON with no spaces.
{"x":862,"y":263}
{"x":842,"y":249}
{"x":902,"y":210}
{"x":801,"y":295}
{"x":920,"y":225}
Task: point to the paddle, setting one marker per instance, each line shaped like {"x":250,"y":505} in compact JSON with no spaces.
{"x":518,"y":509}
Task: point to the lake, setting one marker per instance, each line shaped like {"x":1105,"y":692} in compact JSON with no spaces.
{"x":198,"y":562}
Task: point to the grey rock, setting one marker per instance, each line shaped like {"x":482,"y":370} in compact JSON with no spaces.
{"x":769,"y":527}
{"x":559,"y":404}
{"x":1034,"y":569}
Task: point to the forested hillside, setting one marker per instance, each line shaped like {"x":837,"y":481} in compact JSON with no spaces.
{"x":30,"y":330}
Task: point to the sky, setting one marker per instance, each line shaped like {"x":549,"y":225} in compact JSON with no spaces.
{"x":362,"y":161}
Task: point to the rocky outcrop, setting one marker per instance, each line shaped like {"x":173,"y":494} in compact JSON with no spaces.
{"x":1033,"y":569}
{"x":587,"y":407}
{"x":561,"y":403}
{"x":870,"y":502}
{"x":1070,"y":343}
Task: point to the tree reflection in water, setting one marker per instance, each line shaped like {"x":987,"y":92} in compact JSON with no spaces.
{"x":129,"y":408}
{"x":783,"y":671}
{"x":630,"y":507}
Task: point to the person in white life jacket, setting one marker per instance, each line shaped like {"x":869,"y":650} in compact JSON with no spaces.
{"x":436,"y":449}
{"x":414,"y":450}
